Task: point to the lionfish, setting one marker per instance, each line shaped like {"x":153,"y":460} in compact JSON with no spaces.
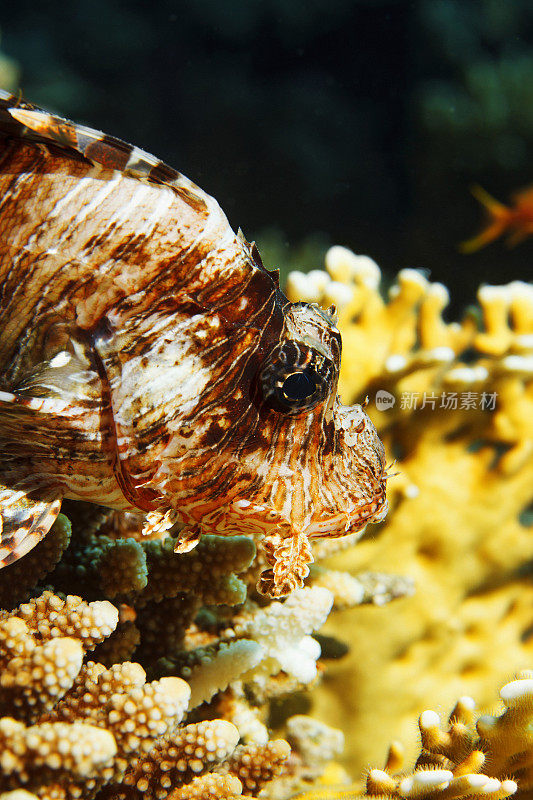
{"x":150,"y":362}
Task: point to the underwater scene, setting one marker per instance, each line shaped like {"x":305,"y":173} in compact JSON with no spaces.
{"x":266,"y":399}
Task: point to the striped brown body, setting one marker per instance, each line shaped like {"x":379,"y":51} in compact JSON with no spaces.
{"x":149,"y":361}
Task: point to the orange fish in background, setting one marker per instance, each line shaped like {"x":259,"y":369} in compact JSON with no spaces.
{"x":516,"y":219}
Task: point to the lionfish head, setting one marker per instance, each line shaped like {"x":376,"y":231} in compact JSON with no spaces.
{"x":322,"y":463}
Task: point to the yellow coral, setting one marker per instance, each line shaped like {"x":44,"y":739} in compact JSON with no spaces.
{"x":460,"y":509}
{"x":453,"y":758}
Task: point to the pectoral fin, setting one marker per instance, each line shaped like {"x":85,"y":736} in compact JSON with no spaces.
{"x":55,"y":416}
{"x":188,"y":538}
{"x":28,"y":510}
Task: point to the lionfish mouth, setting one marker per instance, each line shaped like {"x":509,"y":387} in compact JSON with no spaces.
{"x":376,"y":511}
{"x":343,"y":524}
{"x":372,"y":512}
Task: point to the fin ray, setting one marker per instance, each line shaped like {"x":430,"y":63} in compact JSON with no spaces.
{"x":28,"y":509}
{"x":24,"y":120}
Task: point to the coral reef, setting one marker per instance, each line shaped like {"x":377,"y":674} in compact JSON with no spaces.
{"x":453,"y":758}
{"x":189,"y":667}
{"x":73,"y":728}
{"x":174,"y":699}
{"x":70,"y":727}
{"x":453,"y":403}
{"x":314,"y":745}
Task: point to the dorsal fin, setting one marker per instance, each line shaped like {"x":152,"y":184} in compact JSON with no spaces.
{"x":19,"y":119}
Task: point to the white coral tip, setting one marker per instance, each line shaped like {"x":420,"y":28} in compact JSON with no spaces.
{"x":343,"y":264}
{"x":429,"y":719}
{"x":432,"y":777}
{"x":524,"y":341}
{"x":310,"y":647}
{"x":105,"y":615}
{"x":340,"y":294}
{"x":300,"y":287}
{"x":476,"y":782}
{"x":395,"y":363}
{"x":516,"y":691}
{"x":423,"y":780}
{"x":440,"y":293}
{"x":339,"y":260}
{"x":319,"y":279}
{"x":490,"y":294}
{"x":466,"y":375}
{"x":413,"y":276}
{"x":379,"y":775}
{"x":492,"y":785}
{"x":442,"y":354}
{"x":521,"y":289}
{"x":368,"y":271}
{"x":522,"y":364}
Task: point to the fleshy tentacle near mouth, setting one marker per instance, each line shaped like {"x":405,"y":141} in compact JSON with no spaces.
{"x":289,"y":558}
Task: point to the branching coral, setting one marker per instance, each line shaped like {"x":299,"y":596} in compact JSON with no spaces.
{"x":453,"y":758}
{"x":42,"y":645}
{"x":162,"y":590}
{"x":208,"y":571}
{"x":313,"y":745}
{"x":110,"y":557}
{"x":249,"y":657}
{"x":53,"y":758}
{"x":453,"y":403}
{"x":175,"y":615}
{"x":178,"y":759}
{"x":48,"y":617}
{"x":369,"y":587}
{"x":283,"y":629}
{"x":256,"y":765}
{"x":72,"y":728}
{"x":210,"y":669}
{"x":85,"y":721}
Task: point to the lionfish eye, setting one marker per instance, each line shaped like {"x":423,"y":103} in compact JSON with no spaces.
{"x":296,"y":378}
{"x":298,"y":386}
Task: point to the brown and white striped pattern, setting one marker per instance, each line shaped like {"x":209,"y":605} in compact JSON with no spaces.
{"x":134,"y":325}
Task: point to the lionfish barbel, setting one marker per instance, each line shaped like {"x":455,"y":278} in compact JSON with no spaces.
{"x":150,"y":362}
